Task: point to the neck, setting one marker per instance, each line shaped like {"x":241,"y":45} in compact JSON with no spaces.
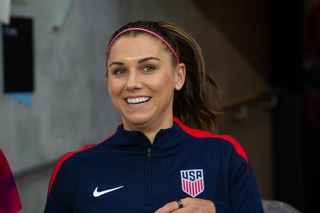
{"x":151,"y":135}
{"x":149,"y":129}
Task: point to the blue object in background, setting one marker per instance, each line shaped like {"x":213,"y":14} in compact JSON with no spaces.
{"x":22,"y":97}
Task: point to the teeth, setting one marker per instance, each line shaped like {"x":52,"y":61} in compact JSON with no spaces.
{"x":137,"y":100}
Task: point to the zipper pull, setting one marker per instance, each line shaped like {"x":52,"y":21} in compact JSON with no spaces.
{"x":149,"y":152}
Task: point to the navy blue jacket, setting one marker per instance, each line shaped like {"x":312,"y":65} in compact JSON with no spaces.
{"x":126,"y":173}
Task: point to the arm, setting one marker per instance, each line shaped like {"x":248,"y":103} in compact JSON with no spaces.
{"x":61,"y":190}
{"x":62,"y":185}
{"x":244,"y":193}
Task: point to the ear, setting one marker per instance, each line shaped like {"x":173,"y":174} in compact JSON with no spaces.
{"x":180,"y":76}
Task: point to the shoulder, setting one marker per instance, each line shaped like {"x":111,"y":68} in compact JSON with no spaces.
{"x":62,"y":162}
{"x":226,"y":142}
{"x":71,"y":159}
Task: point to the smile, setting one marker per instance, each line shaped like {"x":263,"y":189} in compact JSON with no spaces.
{"x":138,"y":100}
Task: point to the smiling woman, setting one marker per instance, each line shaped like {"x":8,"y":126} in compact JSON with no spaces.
{"x":154,"y":162}
{"x":142,"y":81}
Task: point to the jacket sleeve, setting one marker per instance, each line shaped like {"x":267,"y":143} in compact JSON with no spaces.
{"x":242,"y":194}
{"x":243,"y":189}
{"x":61,"y":191}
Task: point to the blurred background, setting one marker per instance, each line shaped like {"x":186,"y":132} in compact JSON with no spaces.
{"x":265,"y":56}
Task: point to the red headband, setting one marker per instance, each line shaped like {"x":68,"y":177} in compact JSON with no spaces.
{"x":147,"y":31}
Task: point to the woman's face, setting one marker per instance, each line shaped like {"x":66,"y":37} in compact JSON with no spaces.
{"x":141,"y":81}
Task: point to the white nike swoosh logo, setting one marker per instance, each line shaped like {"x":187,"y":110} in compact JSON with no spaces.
{"x":98,"y":194}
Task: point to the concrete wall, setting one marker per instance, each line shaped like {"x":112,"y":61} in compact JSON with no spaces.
{"x":70,"y":105}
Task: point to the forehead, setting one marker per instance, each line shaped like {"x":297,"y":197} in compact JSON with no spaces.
{"x":138,"y":46}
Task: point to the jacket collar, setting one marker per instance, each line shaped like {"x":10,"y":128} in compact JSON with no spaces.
{"x":164,"y":139}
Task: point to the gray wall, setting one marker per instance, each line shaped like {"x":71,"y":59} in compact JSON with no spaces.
{"x":70,"y":104}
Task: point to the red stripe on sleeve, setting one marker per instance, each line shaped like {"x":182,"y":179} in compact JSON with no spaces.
{"x":60,"y":162}
{"x":202,"y":134}
{"x":65,"y":157}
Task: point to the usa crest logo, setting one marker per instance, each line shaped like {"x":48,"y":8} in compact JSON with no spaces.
{"x":192,"y":181}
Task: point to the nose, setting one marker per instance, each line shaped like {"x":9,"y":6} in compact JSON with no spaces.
{"x":133,"y":81}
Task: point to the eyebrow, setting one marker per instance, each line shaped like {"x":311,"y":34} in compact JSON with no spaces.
{"x":139,"y":62}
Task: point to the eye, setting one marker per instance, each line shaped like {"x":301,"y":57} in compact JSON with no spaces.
{"x":148,"y":68}
{"x":119,"y":71}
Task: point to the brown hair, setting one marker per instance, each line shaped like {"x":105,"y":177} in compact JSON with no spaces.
{"x":192,"y":104}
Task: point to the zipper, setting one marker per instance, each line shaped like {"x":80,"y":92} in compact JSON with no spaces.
{"x":149,"y":173}
{"x":149,"y":152}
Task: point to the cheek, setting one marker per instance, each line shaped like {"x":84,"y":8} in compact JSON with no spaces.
{"x":164,"y":85}
{"x":114,"y":88}
{"x":115,"y":94}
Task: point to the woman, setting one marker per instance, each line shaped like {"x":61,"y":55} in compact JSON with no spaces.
{"x":154,"y":162}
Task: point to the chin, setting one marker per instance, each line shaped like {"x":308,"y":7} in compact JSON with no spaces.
{"x":137,"y":120}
